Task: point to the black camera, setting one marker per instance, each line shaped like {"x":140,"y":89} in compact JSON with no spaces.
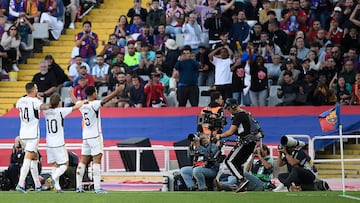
{"x":214,"y":121}
{"x":193,"y":138}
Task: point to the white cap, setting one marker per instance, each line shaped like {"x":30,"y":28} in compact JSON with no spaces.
{"x":337,"y":8}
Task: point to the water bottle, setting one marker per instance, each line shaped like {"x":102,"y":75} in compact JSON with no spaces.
{"x":165,"y":183}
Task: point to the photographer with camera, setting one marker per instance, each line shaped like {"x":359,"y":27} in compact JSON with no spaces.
{"x":246,"y":142}
{"x":300,"y":170}
{"x":204,"y":166}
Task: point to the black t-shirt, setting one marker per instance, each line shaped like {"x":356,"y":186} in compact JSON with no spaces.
{"x":241,"y":120}
{"x":44,"y":82}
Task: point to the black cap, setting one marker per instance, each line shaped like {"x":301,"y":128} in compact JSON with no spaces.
{"x":230,"y":102}
{"x":303,"y":61}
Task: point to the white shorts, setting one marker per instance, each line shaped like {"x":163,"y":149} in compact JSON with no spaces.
{"x":93,"y":146}
{"x":57,"y":155}
{"x":31,"y":145}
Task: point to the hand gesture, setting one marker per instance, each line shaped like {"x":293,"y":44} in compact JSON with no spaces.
{"x":120,"y":88}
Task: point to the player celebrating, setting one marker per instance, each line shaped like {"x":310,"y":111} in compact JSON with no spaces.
{"x":92,"y":146}
{"x":55,"y":143}
{"x":29,"y":111}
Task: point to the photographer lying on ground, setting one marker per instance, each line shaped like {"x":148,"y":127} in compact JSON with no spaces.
{"x":258,"y":173}
{"x":204,"y":165}
{"x":300,"y":170}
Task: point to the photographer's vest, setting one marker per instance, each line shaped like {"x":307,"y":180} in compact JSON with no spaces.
{"x":205,"y":127}
{"x":261,"y":172}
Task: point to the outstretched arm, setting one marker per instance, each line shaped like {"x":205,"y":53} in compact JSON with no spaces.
{"x":113,"y":94}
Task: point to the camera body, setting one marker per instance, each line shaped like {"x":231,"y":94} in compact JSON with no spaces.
{"x":214,"y":121}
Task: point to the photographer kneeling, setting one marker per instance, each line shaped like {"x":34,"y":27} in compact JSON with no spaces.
{"x":300,"y":170}
{"x":204,"y":166}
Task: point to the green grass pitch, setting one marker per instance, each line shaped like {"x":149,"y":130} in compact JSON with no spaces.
{"x":183,"y":197}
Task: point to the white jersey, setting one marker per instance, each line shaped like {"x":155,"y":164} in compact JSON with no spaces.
{"x":91,"y":119}
{"x":29,"y":112}
{"x":55,"y":126}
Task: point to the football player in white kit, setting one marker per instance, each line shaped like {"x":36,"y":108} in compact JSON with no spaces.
{"x":92,"y":146}
{"x":55,"y":143}
{"x":29,"y":108}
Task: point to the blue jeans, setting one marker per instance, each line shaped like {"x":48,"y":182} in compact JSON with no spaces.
{"x":199,"y":173}
{"x":90,"y":61}
{"x":228,"y":180}
{"x":258,"y":98}
{"x":241,"y":98}
{"x":255,"y":184}
{"x":170,"y":30}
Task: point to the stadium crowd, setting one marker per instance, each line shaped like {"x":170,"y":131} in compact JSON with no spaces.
{"x":304,"y":51}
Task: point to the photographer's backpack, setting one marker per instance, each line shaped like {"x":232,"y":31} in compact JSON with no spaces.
{"x":179,"y":183}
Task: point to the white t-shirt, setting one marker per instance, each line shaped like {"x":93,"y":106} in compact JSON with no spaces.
{"x":74,"y":72}
{"x":29,"y":113}
{"x":223,"y":73}
{"x":55,"y":126}
{"x":91,"y":118}
{"x":100,"y":72}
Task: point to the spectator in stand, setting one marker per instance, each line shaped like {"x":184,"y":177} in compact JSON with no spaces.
{"x":271,"y":15}
{"x":313,"y":61}
{"x":302,"y":51}
{"x":322,"y":94}
{"x":223,"y":74}
{"x":351,"y":40}
{"x":307,"y":88}
{"x":273,"y":69}
{"x":164,"y":79}
{"x":342,"y":89}
{"x":71,"y":6}
{"x":292,"y":56}
{"x":79,"y":89}
{"x":345,"y":12}
{"x":318,"y":52}
{"x":288,"y":91}
{"x":119,"y":59}
{"x":304,"y":68}
{"x":121,"y":30}
{"x":115,"y":69}
{"x":279,"y":37}
{"x":259,"y":81}
{"x":255,"y":34}
{"x":131,"y":59}
{"x":88,"y":42}
{"x":352,"y":56}
{"x":10,"y":43}
{"x":269,"y":51}
{"x":354,"y":18}
{"x":320,"y":12}
{"x":59,"y":73}
{"x":156,"y":16}
{"x":263,"y":14}
{"x":336,"y":54}
{"x":172,"y":55}
{"x":160,"y":61}
{"x":348,"y":72}
{"x":321,"y":37}
{"x":174,"y":19}
{"x":328,"y":69}
{"x":111,"y":49}
{"x":188,"y":70}
{"x":74,"y":69}
{"x":300,"y":34}
{"x":147,"y":58}
{"x":137,"y":10}
{"x":335,"y":33}
{"x":45,"y":81}
{"x":135,"y":27}
{"x":192,"y":32}
{"x":122,"y":99}
{"x":355,"y":97}
{"x":146,"y":35}
{"x":206,"y":70}
{"x":154,"y":91}
{"x":137,"y":94}
{"x":24,"y":28}
{"x":216,"y":24}
{"x":224,"y":40}
{"x":160,"y":38}
{"x":290,"y":66}
{"x":100,"y":71}
{"x":238,"y":79}
{"x":53,"y":15}
{"x":252,"y":9}
{"x":239,"y":32}
{"x":83,"y":72}
{"x":314,"y":28}
{"x":15,"y":9}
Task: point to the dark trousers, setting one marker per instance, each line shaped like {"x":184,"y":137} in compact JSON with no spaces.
{"x":13,"y":174}
{"x":225,"y":90}
{"x":237,"y":157}
{"x":298,"y":176}
{"x":190,"y":92}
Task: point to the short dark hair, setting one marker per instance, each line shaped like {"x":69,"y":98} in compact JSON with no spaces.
{"x":87,"y":22}
{"x":90,"y":90}
{"x":29,"y":87}
{"x":214,"y":96}
{"x":289,"y":73}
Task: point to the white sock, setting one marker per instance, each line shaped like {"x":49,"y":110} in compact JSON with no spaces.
{"x":79,"y":175}
{"x":24,"y":171}
{"x":96,"y":175}
{"x":35,"y":173}
{"x":58,"y":172}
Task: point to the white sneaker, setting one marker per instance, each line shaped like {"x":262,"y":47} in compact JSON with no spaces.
{"x":15,"y":68}
{"x":3,"y":72}
{"x":72,"y":26}
{"x":280,"y":188}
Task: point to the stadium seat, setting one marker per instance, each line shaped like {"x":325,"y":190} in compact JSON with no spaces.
{"x":273,"y":100}
{"x":102,"y":89}
{"x":204,"y":95}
